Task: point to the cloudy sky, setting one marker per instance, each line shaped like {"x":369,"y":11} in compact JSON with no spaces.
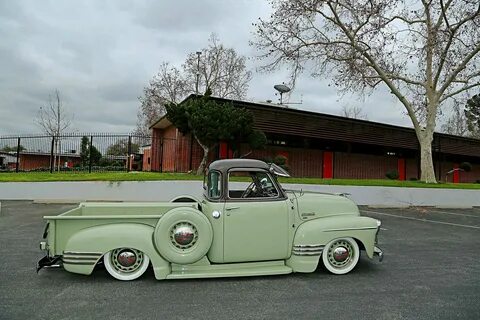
{"x":100,"y":54}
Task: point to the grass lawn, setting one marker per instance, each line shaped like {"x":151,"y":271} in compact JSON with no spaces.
{"x":94,"y":176}
{"x":153,"y":176}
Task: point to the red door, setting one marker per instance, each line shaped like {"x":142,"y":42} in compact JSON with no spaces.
{"x":327,"y":164}
{"x":456,"y":174}
{"x":401,"y":169}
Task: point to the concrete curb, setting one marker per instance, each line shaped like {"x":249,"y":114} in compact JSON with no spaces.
{"x":381,"y":206}
{"x":453,"y":207}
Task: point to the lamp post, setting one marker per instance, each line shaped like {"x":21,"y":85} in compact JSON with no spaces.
{"x":198,"y":71}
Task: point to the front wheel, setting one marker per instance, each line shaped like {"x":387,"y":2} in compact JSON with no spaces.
{"x":126,"y":263}
{"x":341,"y":255}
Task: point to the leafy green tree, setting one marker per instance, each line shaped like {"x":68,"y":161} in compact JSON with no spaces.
{"x":120,"y":148}
{"x":472,"y":113}
{"x":210,"y":122}
{"x":86,"y":153}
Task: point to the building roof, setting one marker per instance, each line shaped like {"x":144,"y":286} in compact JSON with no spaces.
{"x":161,"y":123}
{"x":282,"y":120}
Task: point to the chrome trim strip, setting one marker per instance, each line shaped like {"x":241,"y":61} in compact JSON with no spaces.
{"x":307,"y":249}
{"x":307,"y":253}
{"x":79,"y":263}
{"x":81,"y":258}
{"x":308,"y":246}
{"x":82,"y":253}
{"x":344,"y":229}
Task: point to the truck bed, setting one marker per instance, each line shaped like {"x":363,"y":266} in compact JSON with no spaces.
{"x":62,"y":227}
{"x":122,"y":209}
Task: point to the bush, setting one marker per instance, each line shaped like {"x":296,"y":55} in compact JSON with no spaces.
{"x":477,"y":181}
{"x":466,"y":166}
{"x":280,"y":160}
{"x":413,"y":179}
{"x":392,"y":175}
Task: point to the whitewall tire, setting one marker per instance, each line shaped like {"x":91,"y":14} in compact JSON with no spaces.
{"x":341,"y":255}
{"x":126,"y":263}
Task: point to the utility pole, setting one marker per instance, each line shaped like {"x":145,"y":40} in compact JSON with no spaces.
{"x":198,"y":71}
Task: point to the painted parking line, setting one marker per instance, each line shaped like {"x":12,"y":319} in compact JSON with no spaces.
{"x":423,"y":220}
{"x":455,"y":214}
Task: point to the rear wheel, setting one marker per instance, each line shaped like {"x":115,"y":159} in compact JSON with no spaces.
{"x":341,"y":255}
{"x":126,"y":263}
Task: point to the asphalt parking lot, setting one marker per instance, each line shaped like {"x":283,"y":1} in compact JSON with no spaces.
{"x":431,"y":270}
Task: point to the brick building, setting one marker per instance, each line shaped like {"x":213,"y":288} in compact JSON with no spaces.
{"x":322,"y":145}
{"x":29,"y":160}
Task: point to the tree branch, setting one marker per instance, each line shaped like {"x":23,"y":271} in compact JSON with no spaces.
{"x":454,"y":93}
{"x":462,"y":66}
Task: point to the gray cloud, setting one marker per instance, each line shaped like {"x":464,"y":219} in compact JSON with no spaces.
{"x":100,"y":55}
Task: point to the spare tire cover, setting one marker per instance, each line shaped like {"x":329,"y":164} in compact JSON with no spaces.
{"x":183,"y":235}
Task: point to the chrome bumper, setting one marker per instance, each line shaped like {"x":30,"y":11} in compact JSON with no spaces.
{"x":378,"y":252}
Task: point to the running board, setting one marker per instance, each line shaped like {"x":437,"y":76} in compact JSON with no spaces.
{"x":229,"y":270}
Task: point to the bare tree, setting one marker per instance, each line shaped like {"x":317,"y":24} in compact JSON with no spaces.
{"x":424,"y":52}
{"x":456,"y":124}
{"x":168,"y":85}
{"x":354,"y":112}
{"x":219,"y":68}
{"x":53,"y":119}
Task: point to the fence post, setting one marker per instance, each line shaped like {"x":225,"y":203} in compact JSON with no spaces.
{"x":90,"y":155}
{"x":52,"y":162}
{"x":129,"y":151}
{"x":18,"y":155}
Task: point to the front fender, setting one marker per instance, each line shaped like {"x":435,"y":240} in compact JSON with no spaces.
{"x":319,"y":232}
{"x":102,"y":239}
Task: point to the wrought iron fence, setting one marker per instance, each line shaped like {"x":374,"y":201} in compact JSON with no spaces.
{"x":76,"y":152}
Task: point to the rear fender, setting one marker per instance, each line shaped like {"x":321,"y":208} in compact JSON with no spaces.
{"x":96,"y":241}
{"x":313,"y":235}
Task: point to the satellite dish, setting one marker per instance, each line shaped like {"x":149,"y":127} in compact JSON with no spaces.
{"x":282,"y":89}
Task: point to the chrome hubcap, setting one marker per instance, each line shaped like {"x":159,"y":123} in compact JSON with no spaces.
{"x":340,"y":254}
{"x":126,"y":260}
{"x":183,"y":235}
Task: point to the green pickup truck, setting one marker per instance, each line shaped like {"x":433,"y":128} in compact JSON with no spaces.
{"x":246,"y":224}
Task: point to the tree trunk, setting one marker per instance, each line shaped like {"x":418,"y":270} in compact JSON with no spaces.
{"x":203,"y":163}
{"x":426,"y":160}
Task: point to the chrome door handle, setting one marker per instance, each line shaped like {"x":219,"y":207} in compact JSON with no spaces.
{"x":230,"y":209}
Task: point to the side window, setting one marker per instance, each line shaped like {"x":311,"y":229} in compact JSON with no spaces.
{"x":250,"y":184}
{"x":214,"y":185}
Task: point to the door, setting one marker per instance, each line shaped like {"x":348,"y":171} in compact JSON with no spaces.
{"x":255,"y":219}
